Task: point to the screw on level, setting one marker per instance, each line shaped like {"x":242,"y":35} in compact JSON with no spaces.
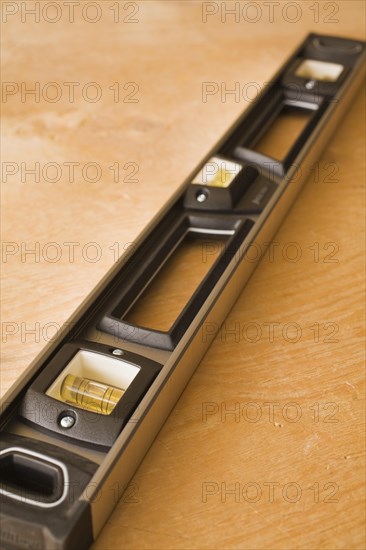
{"x":67,"y":421}
{"x":118,"y":352}
{"x":201,"y":196}
{"x":310,"y":84}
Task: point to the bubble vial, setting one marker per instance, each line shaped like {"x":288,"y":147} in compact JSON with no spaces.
{"x":90,"y":395}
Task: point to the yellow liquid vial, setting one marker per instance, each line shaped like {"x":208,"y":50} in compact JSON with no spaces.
{"x":90,"y":395}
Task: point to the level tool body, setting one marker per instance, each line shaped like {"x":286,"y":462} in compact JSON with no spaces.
{"x":85,"y":412}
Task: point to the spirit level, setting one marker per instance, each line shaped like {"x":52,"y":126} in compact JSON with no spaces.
{"x":85,"y":412}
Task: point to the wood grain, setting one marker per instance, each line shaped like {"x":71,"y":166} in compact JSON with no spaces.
{"x":275,"y":411}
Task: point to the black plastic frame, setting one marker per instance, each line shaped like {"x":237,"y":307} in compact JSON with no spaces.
{"x":66,"y":525}
{"x":90,"y":428}
{"x":33,"y":477}
{"x":295,"y":84}
{"x":263,"y":118}
{"x":113,"y":323}
{"x":291,"y":90}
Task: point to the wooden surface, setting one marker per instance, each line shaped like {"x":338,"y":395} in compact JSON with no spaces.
{"x":294,"y":372}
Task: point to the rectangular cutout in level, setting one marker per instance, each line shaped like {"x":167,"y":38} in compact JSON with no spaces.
{"x":93,"y":381}
{"x":319,"y":70}
{"x":24,"y":475}
{"x":281,"y":135}
{"x":161,"y":303}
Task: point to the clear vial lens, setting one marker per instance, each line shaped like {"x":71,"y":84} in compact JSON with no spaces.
{"x":90,"y":395}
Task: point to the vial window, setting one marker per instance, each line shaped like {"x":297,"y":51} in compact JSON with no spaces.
{"x":93,"y":381}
